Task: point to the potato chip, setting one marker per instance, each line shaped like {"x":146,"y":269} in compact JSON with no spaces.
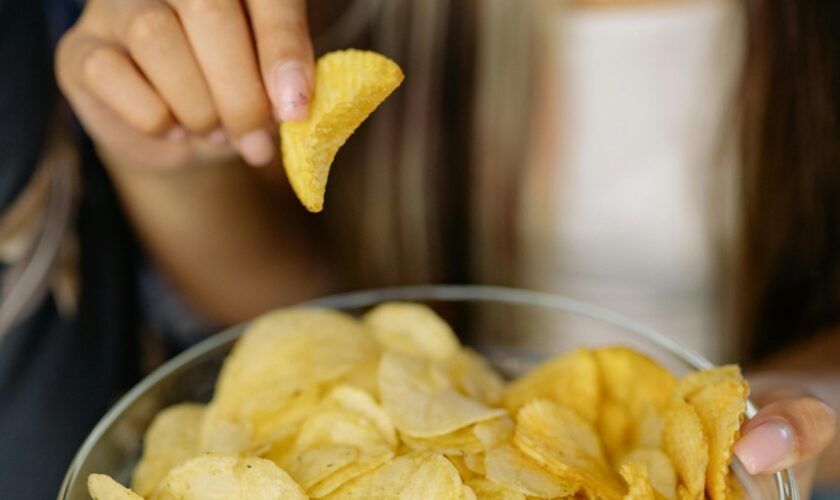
{"x":638,"y":483}
{"x":421,"y":400}
{"x":573,"y":380}
{"x":365,"y":377}
{"x":102,"y":487}
{"x":459,"y":442}
{"x":721,"y":408}
{"x":565,"y":444}
{"x":488,"y":490}
{"x":646,"y":431}
{"x":660,"y":470}
{"x":218,"y":477}
{"x":684,"y":440}
{"x":495,"y":432}
{"x":634,"y":379}
{"x":281,"y":355}
{"x":355,"y":400}
{"x":694,"y":381}
{"x":171,"y":439}
{"x":412,"y":329}
{"x":614,"y":426}
{"x":512,"y":470}
{"x":349,"y":86}
{"x":460,"y":463}
{"x":474,"y":376}
{"x":475,"y":463}
{"x":467,"y":493}
{"x":311,"y":465}
{"x":420,"y":475}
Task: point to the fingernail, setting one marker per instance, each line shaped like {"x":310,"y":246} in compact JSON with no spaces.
{"x":765,"y":446}
{"x":256,"y":147}
{"x":218,"y":137}
{"x":291,"y":92}
{"x":176,"y":134}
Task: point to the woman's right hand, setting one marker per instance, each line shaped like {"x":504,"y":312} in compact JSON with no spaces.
{"x":168,"y":84}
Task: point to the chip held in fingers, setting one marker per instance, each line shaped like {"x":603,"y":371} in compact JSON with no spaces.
{"x":349,"y":86}
{"x":316,"y":403}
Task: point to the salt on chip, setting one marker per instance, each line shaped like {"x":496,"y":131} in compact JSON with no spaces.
{"x":214,"y":476}
{"x":172,"y":438}
{"x":572,"y":380}
{"x":638,"y":482}
{"x":721,"y":408}
{"x":412,"y":329}
{"x":281,"y":354}
{"x":565,"y":444}
{"x":488,"y":490}
{"x":512,"y":470}
{"x":349,"y":86}
{"x":420,"y":475}
{"x":102,"y":487}
{"x":474,"y":376}
{"x":660,"y":470}
{"x":684,"y":440}
{"x":421,"y":400}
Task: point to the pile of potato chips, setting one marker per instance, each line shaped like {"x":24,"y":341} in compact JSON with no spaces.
{"x":317,"y":404}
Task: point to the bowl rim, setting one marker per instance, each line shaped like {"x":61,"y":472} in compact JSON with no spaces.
{"x":786,"y":484}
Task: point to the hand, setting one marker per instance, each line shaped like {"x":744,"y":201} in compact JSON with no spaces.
{"x":792,"y":428}
{"x":165,"y":84}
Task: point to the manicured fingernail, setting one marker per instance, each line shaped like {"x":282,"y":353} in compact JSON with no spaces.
{"x":290,"y":91}
{"x":765,"y":446}
{"x":218,"y":137}
{"x":256,"y":147}
{"x":176,"y":134}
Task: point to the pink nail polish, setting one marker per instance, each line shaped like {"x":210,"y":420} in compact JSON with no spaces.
{"x":765,"y":446}
{"x":290,"y":91}
{"x":256,"y":147}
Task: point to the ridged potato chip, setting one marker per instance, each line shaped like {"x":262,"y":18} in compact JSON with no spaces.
{"x":566,"y":445}
{"x":349,"y":86}
{"x":102,"y":487}
{"x":282,"y":354}
{"x":660,"y":470}
{"x":412,"y":329}
{"x":721,"y":408}
{"x":684,"y":440}
{"x":488,"y":490}
{"x":474,"y":376}
{"x":222,"y":477}
{"x":495,"y":432}
{"x":512,"y":470}
{"x":615,"y":426}
{"x":172,"y":438}
{"x":638,"y":482}
{"x":460,"y":442}
{"x":695,"y":381}
{"x":421,"y":400}
{"x":573,"y":380}
{"x":416,"y":476}
{"x":475,"y":463}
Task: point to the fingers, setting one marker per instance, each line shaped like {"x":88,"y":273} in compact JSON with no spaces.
{"x":285,"y":54}
{"x":152,"y":33}
{"x":784,"y":433}
{"x":108,"y":74}
{"x":221,"y":41}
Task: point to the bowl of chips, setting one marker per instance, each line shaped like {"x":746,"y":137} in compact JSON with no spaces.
{"x":429,"y":392}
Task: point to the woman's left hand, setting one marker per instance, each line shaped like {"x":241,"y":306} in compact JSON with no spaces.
{"x":792,"y":429}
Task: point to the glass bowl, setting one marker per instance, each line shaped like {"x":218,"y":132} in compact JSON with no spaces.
{"x":515,"y":329}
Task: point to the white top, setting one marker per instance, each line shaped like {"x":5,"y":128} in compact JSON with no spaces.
{"x":645,"y":99}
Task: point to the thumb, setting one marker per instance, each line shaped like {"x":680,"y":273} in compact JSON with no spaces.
{"x":785,"y":433}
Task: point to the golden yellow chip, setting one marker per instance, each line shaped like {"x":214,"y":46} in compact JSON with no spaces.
{"x":510,"y":469}
{"x":349,"y":86}
{"x":572,"y":379}
{"x":214,"y":476}
{"x":565,"y":444}
{"x":721,"y":408}
{"x":660,"y":470}
{"x":309,"y":466}
{"x":459,"y":442}
{"x":418,"y":475}
{"x":412,"y":329}
{"x":634,"y":379}
{"x":357,"y":401}
{"x":695,"y":381}
{"x":493,"y":433}
{"x":421,"y":400}
{"x":638,"y":482}
{"x":614,"y":426}
{"x":172,"y":438}
{"x":488,"y":490}
{"x":281,"y":355}
{"x":102,"y":487}
{"x":467,"y":493}
{"x":460,"y":463}
{"x":684,"y":440}
{"x":365,"y":377}
{"x":474,"y":376}
{"x":475,"y":463}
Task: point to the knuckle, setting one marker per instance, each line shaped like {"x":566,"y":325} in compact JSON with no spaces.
{"x":98,"y":62}
{"x":154,"y":120}
{"x":201,"y":120}
{"x":151,"y":23}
